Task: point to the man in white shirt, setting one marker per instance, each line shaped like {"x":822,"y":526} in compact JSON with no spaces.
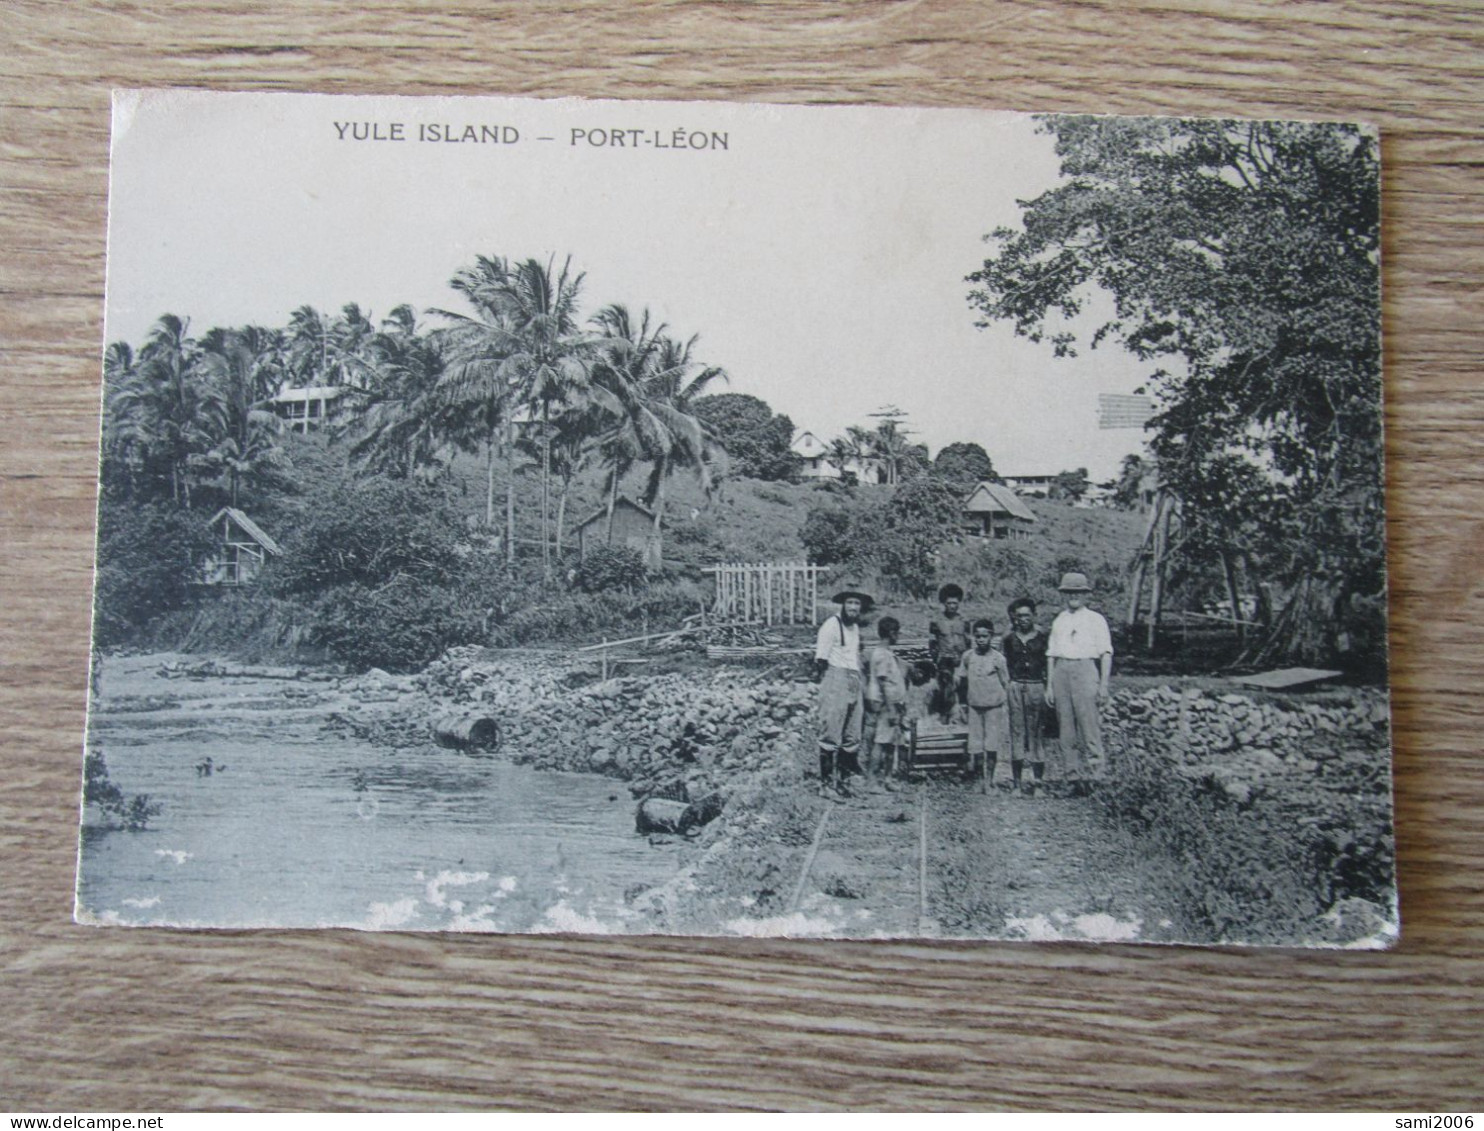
{"x":1079,"y":662}
{"x":837,"y":663}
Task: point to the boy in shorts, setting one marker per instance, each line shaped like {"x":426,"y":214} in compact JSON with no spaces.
{"x":983,"y":680}
{"x":886,"y":701}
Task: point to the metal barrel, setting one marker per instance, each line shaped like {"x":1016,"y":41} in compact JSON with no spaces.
{"x":467,"y":732}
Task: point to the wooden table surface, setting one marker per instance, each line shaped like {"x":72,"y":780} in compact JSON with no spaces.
{"x":159,"y":1020}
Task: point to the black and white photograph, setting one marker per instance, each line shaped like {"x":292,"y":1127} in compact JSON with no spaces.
{"x":602,"y":517}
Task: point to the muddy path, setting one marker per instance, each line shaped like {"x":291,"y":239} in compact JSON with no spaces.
{"x":940,"y":859}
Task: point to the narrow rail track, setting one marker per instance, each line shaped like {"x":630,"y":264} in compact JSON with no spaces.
{"x":892,"y":848}
{"x":941,"y":859}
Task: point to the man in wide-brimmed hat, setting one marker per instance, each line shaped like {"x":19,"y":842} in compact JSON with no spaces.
{"x":837,"y":661}
{"x":949,"y":637}
{"x":1079,"y":662}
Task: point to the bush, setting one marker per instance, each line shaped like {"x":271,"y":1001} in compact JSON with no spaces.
{"x":370,"y":533}
{"x":132,"y":813}
{"x":610,"y":567}
{"x":148,"y":559}
{"x":584,"y":617}
{"x":921,"y":515}
{"x":248,"y":622}
{"x":827,"y":534}
{"x":398,"y":626}
{"x":389,"y":573}
{"x":1263,"y":869}
{"x":993,"y":574}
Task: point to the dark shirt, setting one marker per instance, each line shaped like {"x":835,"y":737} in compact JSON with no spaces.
{"x":1027,"y":658}
{"x":949,"y":639}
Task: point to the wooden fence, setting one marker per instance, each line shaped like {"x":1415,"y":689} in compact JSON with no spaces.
{"x":766,"y":592}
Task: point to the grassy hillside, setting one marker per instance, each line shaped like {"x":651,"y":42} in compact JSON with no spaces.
{"x":750,"y":520}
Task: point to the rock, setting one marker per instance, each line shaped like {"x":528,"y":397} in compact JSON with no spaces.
{"x":660,"y":815}
{"x":1356,"y":920}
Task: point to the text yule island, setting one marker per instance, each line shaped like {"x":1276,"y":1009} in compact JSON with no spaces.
{"x":605,"y":137}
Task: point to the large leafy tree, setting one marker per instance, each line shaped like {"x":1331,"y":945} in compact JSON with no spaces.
{"x":1242,"y":263}
{"x":757,"y":440}
{"x":964,"y":464}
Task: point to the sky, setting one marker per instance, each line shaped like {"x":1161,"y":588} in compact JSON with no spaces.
{"x":818,"y":252}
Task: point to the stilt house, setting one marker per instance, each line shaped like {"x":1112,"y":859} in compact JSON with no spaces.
{"x":242,"y":548}
{"x":993,"y":510}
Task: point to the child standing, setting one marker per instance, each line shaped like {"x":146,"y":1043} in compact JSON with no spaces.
{"x":921,"y":685}
{"x":886,"y":701}
{"x":983,"y":679}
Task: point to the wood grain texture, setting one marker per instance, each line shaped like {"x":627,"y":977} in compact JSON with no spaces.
{"x":167,"y":1020}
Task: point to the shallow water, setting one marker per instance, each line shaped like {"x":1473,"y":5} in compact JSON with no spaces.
{"x":297,"y":828}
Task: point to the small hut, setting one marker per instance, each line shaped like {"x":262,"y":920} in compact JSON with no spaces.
{"x":242,"y":548}
{"x":633,"y":526}
{"x":993,"y":510}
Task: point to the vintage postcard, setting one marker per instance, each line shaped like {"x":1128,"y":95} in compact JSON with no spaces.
{"x":698,"y":518}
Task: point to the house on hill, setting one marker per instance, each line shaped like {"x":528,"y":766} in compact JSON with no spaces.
{"x":242,"y":548}
{"x":815,"y":453}
{"x":993,"y":510}
{"x":303,"y":409}
{"x":1033,"y":486}
{"x":819,"y":463}
{"x":633,"y":526}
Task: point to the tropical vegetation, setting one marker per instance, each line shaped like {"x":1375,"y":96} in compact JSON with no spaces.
{"x":1242,"y":263}
{"x":517,"y":377}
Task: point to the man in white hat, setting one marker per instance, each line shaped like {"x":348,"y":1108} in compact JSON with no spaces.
{"x":837,"y":662}
{"x":1079,"y":662}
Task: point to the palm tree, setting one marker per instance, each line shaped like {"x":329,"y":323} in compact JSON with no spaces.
{"x":473,"y":388}
{"x":120,"y":462}
{"x":166,"y":409}
{"x":673,"y":390}
{"x":890,"y":444}
{"x":652,"y":378}
{"x":246,"y":367}
{"x":846,"y":450}
{"x":330,"y":352}
{"x":548,"y":363}
{"x":571,"y":442}
{"x":631,"y":428}
{"x":398,"y":422}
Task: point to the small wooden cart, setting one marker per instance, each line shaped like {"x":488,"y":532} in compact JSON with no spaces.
{"x":935,"y":748}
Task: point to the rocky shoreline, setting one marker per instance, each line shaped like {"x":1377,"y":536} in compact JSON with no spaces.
{"x":736,"y":742}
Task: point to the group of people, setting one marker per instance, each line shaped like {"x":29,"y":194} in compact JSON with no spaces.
{"x":1011,"y":693}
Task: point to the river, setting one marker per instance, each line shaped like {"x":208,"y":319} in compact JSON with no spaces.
{"x":292,"y":826}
